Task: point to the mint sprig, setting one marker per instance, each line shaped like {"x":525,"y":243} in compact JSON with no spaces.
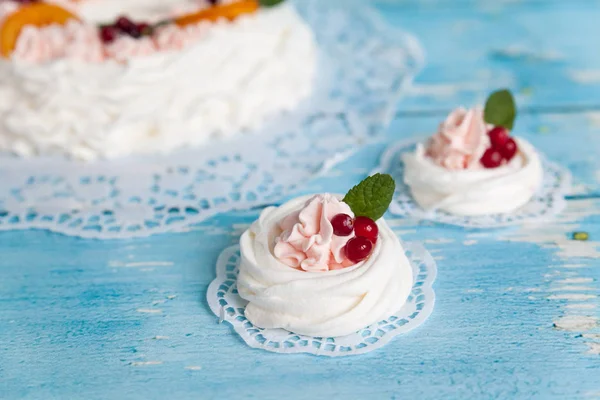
{"x":269,"y":3}
{"x":372,"y":197}
{"x":500,"y":109}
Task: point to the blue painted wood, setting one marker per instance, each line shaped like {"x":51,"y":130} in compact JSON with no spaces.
{"x":540,"y":49}
{"x":516,"y":315}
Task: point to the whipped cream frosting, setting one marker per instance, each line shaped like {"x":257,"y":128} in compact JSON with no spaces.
{"x":328,"y":304}
{"x":476,"y":191}
{"x":460,"y":141}
{"x":229,"y":80}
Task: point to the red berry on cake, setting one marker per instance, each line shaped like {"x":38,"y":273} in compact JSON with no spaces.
{"x":367,"y":228}
{"x":491,"y":158}
{"x":370,"y":200}
{"x":108,"y":34}
{"x":509,"y":149}
{"x":358,"y":249}
{"x":498,"y":137}
{"x":342,"y":225}
{"x":124,"y":24}
{"x":128,"y":27}
{"x":502,"y":144}
{"x":134,"y":32}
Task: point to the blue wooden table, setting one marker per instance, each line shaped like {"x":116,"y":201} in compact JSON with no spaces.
{"x":517,"y":314}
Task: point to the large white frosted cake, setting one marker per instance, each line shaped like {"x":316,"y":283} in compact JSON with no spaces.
{"x":79,"y":80}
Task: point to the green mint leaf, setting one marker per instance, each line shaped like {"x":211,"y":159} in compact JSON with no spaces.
{"x":270,"y":3}
{"x":372,"y":197}
{"x":500,"y":109}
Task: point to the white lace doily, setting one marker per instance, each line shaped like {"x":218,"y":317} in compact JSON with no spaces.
{"x":225,"y":302}
{"x":547,"y":202}
{"x":364,"y":67}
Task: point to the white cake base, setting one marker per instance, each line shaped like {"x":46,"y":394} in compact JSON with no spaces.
{"x":238,"y":74}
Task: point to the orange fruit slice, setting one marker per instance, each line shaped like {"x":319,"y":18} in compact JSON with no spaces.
{"x":37,"y":14}
{"x":228,"y":11}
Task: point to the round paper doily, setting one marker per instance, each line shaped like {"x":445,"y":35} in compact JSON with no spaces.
{"x":226,"y":303}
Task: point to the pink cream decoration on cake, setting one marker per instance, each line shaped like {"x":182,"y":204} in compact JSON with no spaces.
{"x":460,"y":141}
{"x":127,"y":47}
{"x":308,"y":242}
{"x":74,"y":40}
{"x":173,"y":37}
{"x":35,"y":45}
{"x":81,"y":41}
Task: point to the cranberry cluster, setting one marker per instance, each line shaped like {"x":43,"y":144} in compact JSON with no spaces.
{"x":503,"y":148}
{"x":124,"y":26}
{"x":359,"y":247}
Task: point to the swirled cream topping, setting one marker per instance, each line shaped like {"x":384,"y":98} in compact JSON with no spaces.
{"x":318,"y":302}
{"x":474,"y":191}
{"x":460,"y":141}
{"x":308,"y":242}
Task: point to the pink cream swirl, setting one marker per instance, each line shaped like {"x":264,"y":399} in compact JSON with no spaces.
{"x":74,"y":40}
{"x":307,"y":241}
{"x":173,"y":37}
{"x":460,"y":141}
{"x":127,"y":47}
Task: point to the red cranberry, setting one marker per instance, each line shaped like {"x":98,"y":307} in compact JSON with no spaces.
{"x":342,"y":225}
{"x":367,"y":228}
{"x":134,"y":32}
{"x":128,"y":27}
{"x":125,"y":24}
{"x":509,"y":149}
{"x":358,"y":249}
{"x":498,"y":136}
{"x":491,"y":158}
{"x":108,"y":34}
